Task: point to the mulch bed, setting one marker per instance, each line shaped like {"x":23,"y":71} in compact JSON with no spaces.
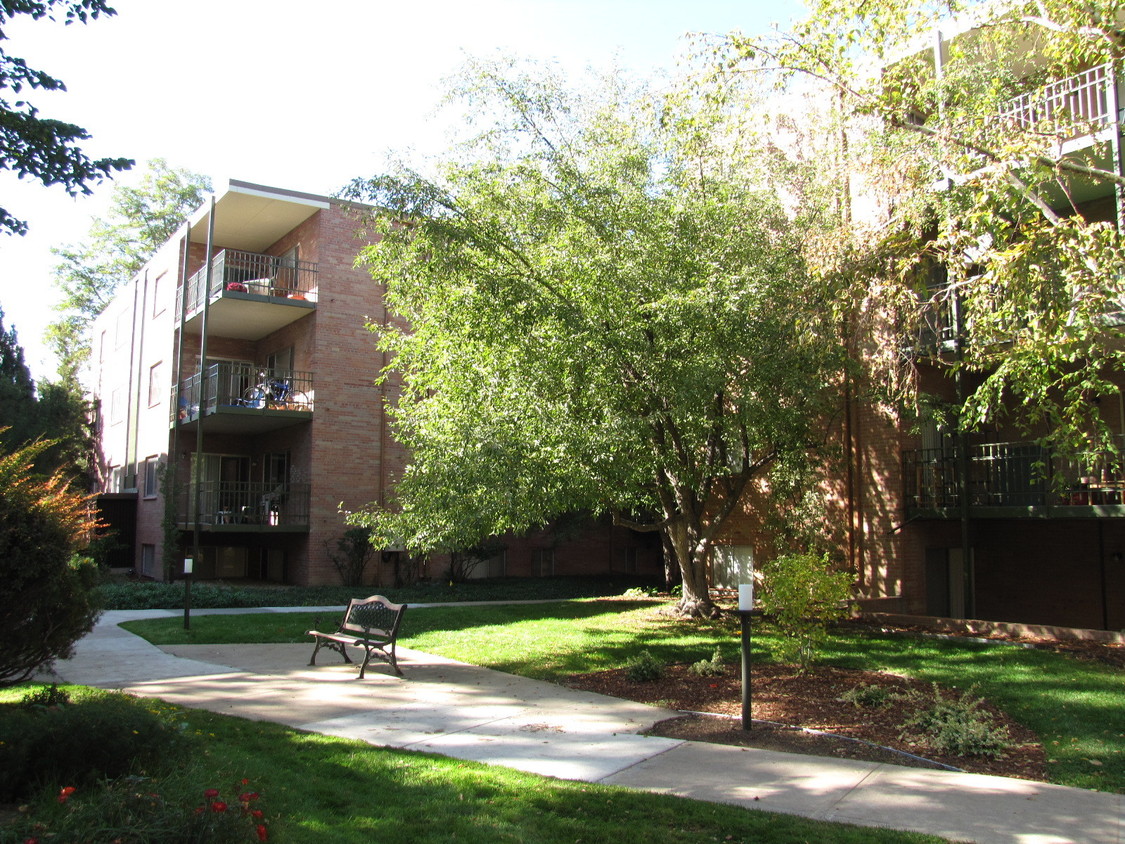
{"x":813,"y":700}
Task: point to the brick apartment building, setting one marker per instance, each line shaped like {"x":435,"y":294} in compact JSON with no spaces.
{"x":238,"y":407}
{"x":991,"y":525}
{"x":238,"y":401}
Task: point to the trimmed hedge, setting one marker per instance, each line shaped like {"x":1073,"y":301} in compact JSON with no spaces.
{"x":96,"y":735}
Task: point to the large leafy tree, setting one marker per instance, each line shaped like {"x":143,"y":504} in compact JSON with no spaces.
{"x":17,"y":389}
{"x":598,"y":304}
{"x":978,"y":190}
{"x":45,"y":412}
{"x":39,"y":147}
{"x":139,"y":220}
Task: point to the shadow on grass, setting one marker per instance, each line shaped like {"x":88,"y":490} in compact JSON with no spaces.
{"x":327,"y":790}
{"x":1073,"y":706}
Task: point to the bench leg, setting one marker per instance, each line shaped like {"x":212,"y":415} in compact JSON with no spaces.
{"x":393,"y":660}
{"x":383,"y":654}
{"x":336,"y":646}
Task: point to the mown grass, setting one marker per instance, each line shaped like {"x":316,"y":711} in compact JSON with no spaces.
{"x":1074,"y":707}
{"x":321,"y":789}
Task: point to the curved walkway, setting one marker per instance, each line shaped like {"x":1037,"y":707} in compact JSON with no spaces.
{"x":448,"y":707}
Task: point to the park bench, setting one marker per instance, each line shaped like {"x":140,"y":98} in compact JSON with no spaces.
{"x":368,"y":623}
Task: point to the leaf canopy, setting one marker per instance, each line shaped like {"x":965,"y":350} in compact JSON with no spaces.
{"x":597,"y":307}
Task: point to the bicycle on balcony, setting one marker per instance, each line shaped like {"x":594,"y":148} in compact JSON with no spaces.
{"x":275,"y":393}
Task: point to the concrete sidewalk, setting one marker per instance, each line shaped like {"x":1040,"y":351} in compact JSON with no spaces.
{"x":443,"y":706}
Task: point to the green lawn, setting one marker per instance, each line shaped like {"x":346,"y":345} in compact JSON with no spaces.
{"x":320,"y":789}
{"x":1074,"y":707}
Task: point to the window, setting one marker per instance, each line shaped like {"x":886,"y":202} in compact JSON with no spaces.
{"x":276,"y":469}
{"x":129,"y":477}
{"x":152,"y":473}
{"x":122,"y":329}
{"x":543,"y":562}
{"x":114,"y":484}
{"x":148,"y":560}
{"x":496,"y":565}
{"x":156,"y":385}
{"x":158,"y":287}
{"x":286,"y":281}
{"x":281,"y":361}
{"x":233,"y":378}
{"x":625,"y":560}
{"x":116,"y":406}
{"x":732,"y":565}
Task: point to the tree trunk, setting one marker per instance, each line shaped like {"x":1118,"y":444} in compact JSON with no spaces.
{"x":671,"y":567}
{"x":696,"y":600}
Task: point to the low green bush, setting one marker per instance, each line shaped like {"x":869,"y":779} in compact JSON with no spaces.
{"x":958,"y":726}
{"x":93,"y":736}
{"x":803,"y":594}
{"x":175,"y":809}
{"x":644,"y":668}
{"x":865,"y":696}
{"x":713,"y":667}
{"x":46,"y":696}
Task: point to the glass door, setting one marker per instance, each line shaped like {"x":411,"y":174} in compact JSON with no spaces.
{"x":224,"y":488}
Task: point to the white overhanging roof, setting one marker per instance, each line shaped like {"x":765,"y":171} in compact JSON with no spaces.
{"x":254,"y":217}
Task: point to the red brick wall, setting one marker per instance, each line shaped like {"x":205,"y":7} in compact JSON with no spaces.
{"x":351,"y":454}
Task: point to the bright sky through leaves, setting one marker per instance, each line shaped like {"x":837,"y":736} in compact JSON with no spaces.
{"x":287,"y":94}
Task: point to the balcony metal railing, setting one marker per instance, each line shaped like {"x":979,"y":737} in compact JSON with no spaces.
{"x":258,"y":275}
{"x":244,"y":503}
{"x":1019,"y":474}
{"x":1082,"y":99}
{"x":242,"y":385}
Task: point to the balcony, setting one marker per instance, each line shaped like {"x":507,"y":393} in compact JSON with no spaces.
{"x":1084,"y":100}
{"x":243,"y":398}
{"x":1011,"y":480}
{"x":235,"y":507}
{"x":250,"y":295}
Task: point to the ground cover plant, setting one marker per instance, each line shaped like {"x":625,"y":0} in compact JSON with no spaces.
{"x":322,"y":789}
{"x":149,"y":595}
{"x":1073,"y":706}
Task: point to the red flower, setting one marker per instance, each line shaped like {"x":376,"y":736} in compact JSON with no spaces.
{"x":263,"y":835}
{"x":249,"y":796}
{"x":218,"y":806}
{"x":64,"y":793}
{"x":211,"y":793}
{"x":257,"y":814}
{"x":36,"y":840}
{"x":245,"y":781}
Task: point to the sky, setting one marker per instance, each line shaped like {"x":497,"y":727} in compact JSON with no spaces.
{"x":269,"y":91}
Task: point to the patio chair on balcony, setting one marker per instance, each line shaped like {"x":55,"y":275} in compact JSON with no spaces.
{"x":186,"y":411}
